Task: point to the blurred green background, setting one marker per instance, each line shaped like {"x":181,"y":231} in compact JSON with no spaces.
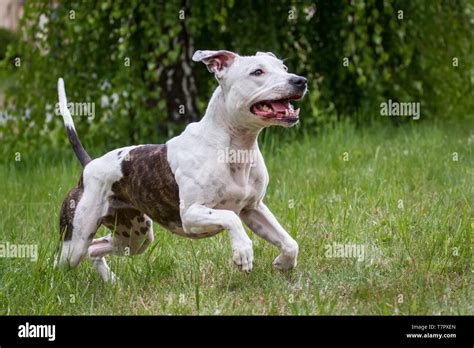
{"x":133,"y":60}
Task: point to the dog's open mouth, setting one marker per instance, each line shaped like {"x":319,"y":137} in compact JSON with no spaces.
{"x":280,"y":109}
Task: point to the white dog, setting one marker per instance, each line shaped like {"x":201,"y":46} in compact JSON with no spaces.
{"x":187,"y":185}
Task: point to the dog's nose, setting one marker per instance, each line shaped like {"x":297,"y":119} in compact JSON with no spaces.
{"x":298,"y":81}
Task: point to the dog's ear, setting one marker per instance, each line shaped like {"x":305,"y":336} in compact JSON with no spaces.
{"x":266,"y":53}
{"x":216,"y":61}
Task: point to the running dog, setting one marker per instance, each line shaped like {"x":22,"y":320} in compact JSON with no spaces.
{"x":186,"y":185}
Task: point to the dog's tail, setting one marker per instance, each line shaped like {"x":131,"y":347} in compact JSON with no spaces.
{"x":81,"y":154}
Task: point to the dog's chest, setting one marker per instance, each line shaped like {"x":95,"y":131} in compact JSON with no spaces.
{"x":216,"y":175}
{"x":240,"y":186}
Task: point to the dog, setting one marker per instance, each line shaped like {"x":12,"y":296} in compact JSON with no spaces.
{"x":182,"y":185}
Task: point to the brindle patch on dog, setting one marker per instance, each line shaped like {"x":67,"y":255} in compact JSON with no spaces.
{"x":68,"y":209}
{"x":127,"y":221}
{"x":131,"y":230}
{"x":148,"y":185}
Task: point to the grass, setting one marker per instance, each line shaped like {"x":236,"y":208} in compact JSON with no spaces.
{"x":400,"y":195}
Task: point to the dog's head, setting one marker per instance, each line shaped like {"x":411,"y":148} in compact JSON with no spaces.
{"x":257,"y":89}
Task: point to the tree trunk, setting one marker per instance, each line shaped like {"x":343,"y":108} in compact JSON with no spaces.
{"x":177,"y":81}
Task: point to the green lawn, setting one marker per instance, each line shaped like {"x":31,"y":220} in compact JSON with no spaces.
{"x":397,"y":193}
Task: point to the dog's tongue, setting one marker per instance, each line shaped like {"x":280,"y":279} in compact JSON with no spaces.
{"x":279,"y":106}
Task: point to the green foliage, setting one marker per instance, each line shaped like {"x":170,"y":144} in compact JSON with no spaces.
{"x":108,"y":53}
{"x":6,"y":38}
{"x":404,"y":56}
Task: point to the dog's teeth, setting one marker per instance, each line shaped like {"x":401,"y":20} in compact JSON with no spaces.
{"x":286,"y":112}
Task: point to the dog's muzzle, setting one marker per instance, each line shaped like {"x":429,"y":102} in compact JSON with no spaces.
{"x":281,"y":109}
{"x":299,"y":83}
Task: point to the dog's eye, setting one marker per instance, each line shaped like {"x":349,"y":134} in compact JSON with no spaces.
{"x":257,"y":72}
{"x":285,"y":67}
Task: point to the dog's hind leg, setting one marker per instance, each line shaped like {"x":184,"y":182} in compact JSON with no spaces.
{"x":66,"y":227}
{"x":132,"y":234}
{"x":98,"y":249}
{"x":81,"y":213}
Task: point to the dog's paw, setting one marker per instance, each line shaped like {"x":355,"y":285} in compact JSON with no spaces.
{"x":113,"y":279}
{"x":284,"y":263}
{"x":287,"y":259}
{"x":110,"y":278}
{"x":243,"y":257}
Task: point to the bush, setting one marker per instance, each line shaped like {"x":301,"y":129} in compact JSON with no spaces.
{"x":407,"y":58}
{"x":6,"y":38}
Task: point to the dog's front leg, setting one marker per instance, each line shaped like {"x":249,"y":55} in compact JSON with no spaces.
{"x":198,"y":219}
{"x":261,"y":221}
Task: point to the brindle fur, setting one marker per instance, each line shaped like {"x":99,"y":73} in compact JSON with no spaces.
{"x":149,"y":186}
{"x":67,"y":210}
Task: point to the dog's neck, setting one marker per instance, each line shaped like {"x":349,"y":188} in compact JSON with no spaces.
{"x":219,"y":121}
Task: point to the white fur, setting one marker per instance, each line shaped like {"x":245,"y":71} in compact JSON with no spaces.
{"x":98,"y":178}
{"x":229,"y":123}
{"x":63,"y":105}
